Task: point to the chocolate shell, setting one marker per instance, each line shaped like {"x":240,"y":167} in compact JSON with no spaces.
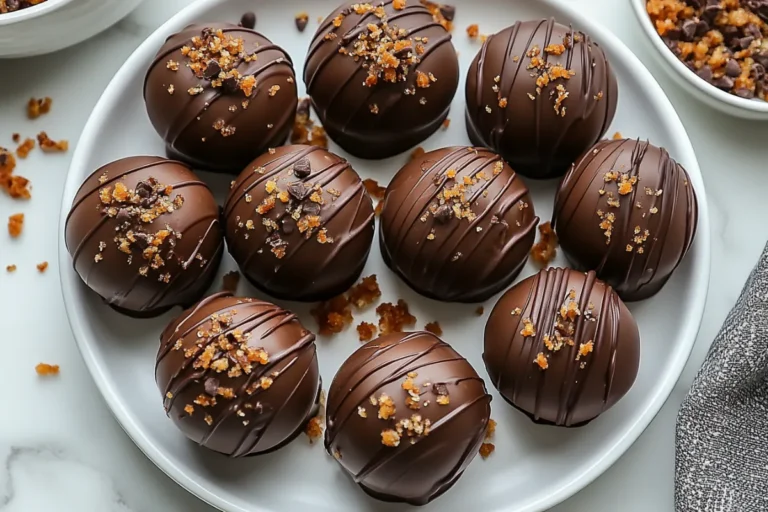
{"x":238,"y":376}
{"x":380,"y":92}
{"x":406,"y":416}
{"x":299,"y":223}
{"x":628,"y":211}
{"x":562,"y":347}
{"x":457,"y":224}
{"x":220,"y":95}
{"x":540,"y":94}
{"x":144,"y":233}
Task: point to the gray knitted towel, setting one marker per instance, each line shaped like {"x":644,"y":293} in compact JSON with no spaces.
{"x":722,"y":429}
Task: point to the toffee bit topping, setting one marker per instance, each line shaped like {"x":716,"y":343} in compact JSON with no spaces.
{"x":304,"y":129}
{"x":487,"y":448}
{"x":386,"y":407}
{"x":541,"y":361}
{"x":214,"y":57}
{"x":473,"y":31}
{"x":42,"y":267}
{"x":528,"y":328}
{"x":390,"y":438}
{"x":383,"y":50}
{"x":585,"y":349}
{"x":10,"y":269}
{"x":442,"y":13}
{"x":362,"y":412}
{"x":230,"y":280}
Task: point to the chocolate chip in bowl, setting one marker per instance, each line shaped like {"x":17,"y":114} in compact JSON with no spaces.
{"x":718,"y":47}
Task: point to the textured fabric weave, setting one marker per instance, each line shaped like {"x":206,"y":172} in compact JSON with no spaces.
{"x":721,"y":458}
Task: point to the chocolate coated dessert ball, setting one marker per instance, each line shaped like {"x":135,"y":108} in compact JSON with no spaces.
{"x":628,"y":211}
{"x":219,"y":95}
{"x":144,"y":233}
{"x":562,"y":347}
{"x":540,"y":94}
{"x":406,"y":416}
{"x":238,"y":376}
{"x":457,"y":224}
{"x":381,"y":76}
{"x":299,"y":223}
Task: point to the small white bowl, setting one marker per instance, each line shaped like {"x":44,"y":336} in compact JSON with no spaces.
{"x":58,"y":24}
{"x":709,"y":94}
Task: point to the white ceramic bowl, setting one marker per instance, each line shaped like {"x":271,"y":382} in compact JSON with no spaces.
{"x":534,"y":467}
{"x":709,"y":94}
{"x":58,"y":24}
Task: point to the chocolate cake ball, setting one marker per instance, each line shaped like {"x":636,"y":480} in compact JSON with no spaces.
{"x":628,"y":211}
{"x":406,"y":416}
{"x":381,"y":77}
{"x":238,"y":376}
{"x":457,"y":224}
{"x":540,"y":94}
{"x":562,"y":347}
{"x":144,"y":233}
{"x":299,"y":223}
{"x":219,"y":95}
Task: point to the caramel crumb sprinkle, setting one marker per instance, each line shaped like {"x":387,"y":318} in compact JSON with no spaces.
{"x":38,"y":106}
{"x":486,"y":449}
{"x":314,"y":429}
{"x":15,"y":225}
{"x":45,"y":369}
{"x":617,"y":136}
{"x":394,"y":317}
{"x":362,"y":412}
{"x":42,"y":267}
{"x":545,"y":250}
{"x":417,"y":153}
{"x":541,"y":361}
{"x":434,"y":328}
{"x":10,"y":268}
{"x":25,"y":147}
{"x":528,"y":328}
{"x":51,"y":146}
{"x":366,"y":331}
{"x":473,"y":31}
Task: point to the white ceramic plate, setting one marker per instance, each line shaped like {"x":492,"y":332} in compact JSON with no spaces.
{"x":534,"y":467}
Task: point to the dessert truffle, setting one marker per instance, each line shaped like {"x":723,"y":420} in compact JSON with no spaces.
{"x":406,"y":416}
{"x":144,"y":233}
{"x":238,"y":376}
{"x":457,"y":224}
{"x":562,"y":347}
{"x":299,"y":223}
{"x":628,"y":211}
{"x":219,"y":95}
{"x":540,"y":94}
{"x":381,"y":77}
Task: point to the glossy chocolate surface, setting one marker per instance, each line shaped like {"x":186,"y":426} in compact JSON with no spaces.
{"x":562,"y":347}
{"x":201,"y":104}
{"x":413,"y":89}
{"x":461,"y":238}
{"x":238,"y":376}
{"x":448,"y":409}
{"x":299,"y":223}
{"x":144,"y":233}
{"x":540,"y":94}
{"x":628,"y":211}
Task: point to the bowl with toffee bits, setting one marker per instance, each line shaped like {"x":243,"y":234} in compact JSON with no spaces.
{"x":717,"y":47}
{"x":37,"y":27}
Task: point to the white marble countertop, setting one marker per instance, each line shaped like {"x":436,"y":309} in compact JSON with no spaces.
{"x":60,"y":448}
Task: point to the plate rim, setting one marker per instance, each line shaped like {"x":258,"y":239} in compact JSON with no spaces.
{"x":659,"y":396}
